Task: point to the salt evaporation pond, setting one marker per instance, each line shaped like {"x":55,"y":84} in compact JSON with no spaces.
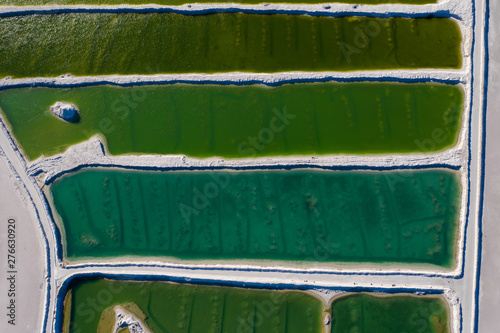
{"x":371,"y":313}
{"x":301,"y":216}
{"x":241,"y":121}
{"x":170,"y":307}
{"x":98,"y":44}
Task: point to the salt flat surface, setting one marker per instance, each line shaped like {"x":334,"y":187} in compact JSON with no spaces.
{"x":29,"y":259}
{"x":489,"y":301}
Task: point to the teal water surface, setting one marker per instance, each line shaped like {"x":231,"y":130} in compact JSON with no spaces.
{"x":295,"y":215}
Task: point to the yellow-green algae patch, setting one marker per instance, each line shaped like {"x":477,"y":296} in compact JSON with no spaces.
{"x":128,"y":43}
{"x":308,"y":216}
{"x":241,"y":121}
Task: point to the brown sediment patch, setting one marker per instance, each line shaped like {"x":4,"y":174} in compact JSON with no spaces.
{"x":107,"y":321}
{"x":67,"y":312}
